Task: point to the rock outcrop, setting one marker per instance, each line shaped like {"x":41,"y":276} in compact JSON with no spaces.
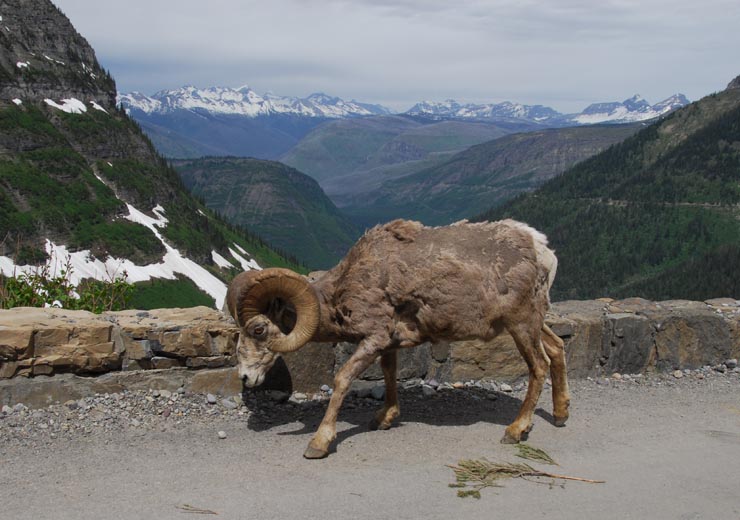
{"x":43,"y":56}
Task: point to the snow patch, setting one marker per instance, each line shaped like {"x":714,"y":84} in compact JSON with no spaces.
{"x":23,"y":64}
{"x":17,"y":101}
{"x":173,"y":261}
{"x":71,"y":105}
{"x":240,"y":249}
{"x":200,"y":212}
{"x":247,"y":265}
{"x":98,"y":107}
{"x":84,"y":266}
{"x":221,"y":261}
{"x":54,"y":60}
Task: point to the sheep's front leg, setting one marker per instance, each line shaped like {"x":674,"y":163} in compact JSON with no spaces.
{"x":363,"y":357}
{"x":390,"y":410}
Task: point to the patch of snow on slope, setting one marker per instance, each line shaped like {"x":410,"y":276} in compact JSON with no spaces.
{"x":173,"y":262}
{"x":71,"y":105}
{"x":240,"y":249}
{"x":98,"y":107}
{"x":23,"y":64}
{"x":247,"y":265}
{"x":84,"y":266}
{"x":17,"y":101}
{"x":221,"y":261}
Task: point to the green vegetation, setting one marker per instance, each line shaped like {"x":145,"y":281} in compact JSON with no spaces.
{"x":43,"y":288}
{"x":158,"y":293}
{"x":656,"y":216}
{"x":280,"y":203}
{"x":484,"y":175}
{"x":370,"y":146}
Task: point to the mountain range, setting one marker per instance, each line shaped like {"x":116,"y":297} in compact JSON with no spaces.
{"x":244,"y":101}
{"x":191,"y":122}
{"x":630,"y":110}
{"x":81,"y":187}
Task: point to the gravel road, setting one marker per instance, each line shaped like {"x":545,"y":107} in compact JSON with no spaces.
{"x":667,"y":446}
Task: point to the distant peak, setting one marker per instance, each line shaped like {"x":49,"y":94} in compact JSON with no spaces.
{"x":735,"y":83}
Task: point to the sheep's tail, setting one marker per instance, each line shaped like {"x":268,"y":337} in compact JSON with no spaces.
{"x":545,"y":256}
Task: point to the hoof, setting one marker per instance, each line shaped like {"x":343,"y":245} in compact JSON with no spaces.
{"x":560,"y":421}
{"x":377,"y":425}
{"x":509,"y":439}
{"x":313,"y":453}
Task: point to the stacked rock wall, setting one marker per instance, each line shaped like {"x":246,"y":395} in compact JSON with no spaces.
{"x":601,"y":337}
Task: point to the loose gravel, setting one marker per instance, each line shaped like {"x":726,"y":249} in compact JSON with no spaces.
{"x":104,"y":415}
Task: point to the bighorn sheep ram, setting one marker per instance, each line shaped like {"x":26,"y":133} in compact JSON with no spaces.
{"x":403,"y":284}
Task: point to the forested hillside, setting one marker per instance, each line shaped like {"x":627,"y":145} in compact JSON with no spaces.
{"x":657,"y":216}
{"x":281,"y":204}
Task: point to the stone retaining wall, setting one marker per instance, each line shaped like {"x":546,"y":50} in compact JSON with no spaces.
{"x":601,"y":336}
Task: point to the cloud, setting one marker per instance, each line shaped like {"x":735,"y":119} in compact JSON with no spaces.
{"x":564,"y":53}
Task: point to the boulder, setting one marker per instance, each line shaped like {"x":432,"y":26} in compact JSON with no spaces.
{"x":222,"y":381}
{"x":310,"y":367}
{"x":628,"y":343}
{"x":498,"y":358}
{"x":690,"y":335}
{"x":581,"y":326}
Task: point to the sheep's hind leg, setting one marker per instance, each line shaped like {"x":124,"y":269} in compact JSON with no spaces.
{"x":555,"y":350}
{"x":527,"y":339}
{"x":363,"y":357}
{"x":391,"y":409}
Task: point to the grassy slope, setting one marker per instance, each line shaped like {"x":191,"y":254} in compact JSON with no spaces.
{"x":656,"y":216}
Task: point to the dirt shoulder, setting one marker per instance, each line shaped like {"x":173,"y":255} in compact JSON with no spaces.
{"x":668,"y":449}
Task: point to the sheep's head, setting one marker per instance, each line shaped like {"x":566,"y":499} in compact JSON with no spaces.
{"x":277,"y":311}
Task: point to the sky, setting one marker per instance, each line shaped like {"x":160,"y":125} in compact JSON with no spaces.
{"x":565,"y":54}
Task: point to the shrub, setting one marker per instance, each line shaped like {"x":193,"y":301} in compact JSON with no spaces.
{"x":41,"y":288}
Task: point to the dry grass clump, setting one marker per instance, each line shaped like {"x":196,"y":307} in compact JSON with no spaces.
{"x":473,"y":475}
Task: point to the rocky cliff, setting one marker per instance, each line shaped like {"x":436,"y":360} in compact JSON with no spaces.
{"x":43,"y":56}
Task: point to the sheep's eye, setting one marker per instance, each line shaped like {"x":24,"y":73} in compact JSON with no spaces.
{"x":259,"y":331}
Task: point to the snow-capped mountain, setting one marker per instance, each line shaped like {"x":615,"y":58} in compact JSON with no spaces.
{"x":244,"y":101}
{"x":499,"y":111}
{"x":630,"y":110}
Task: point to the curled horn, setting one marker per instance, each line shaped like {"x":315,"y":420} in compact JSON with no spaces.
{"x":251,"y":292}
